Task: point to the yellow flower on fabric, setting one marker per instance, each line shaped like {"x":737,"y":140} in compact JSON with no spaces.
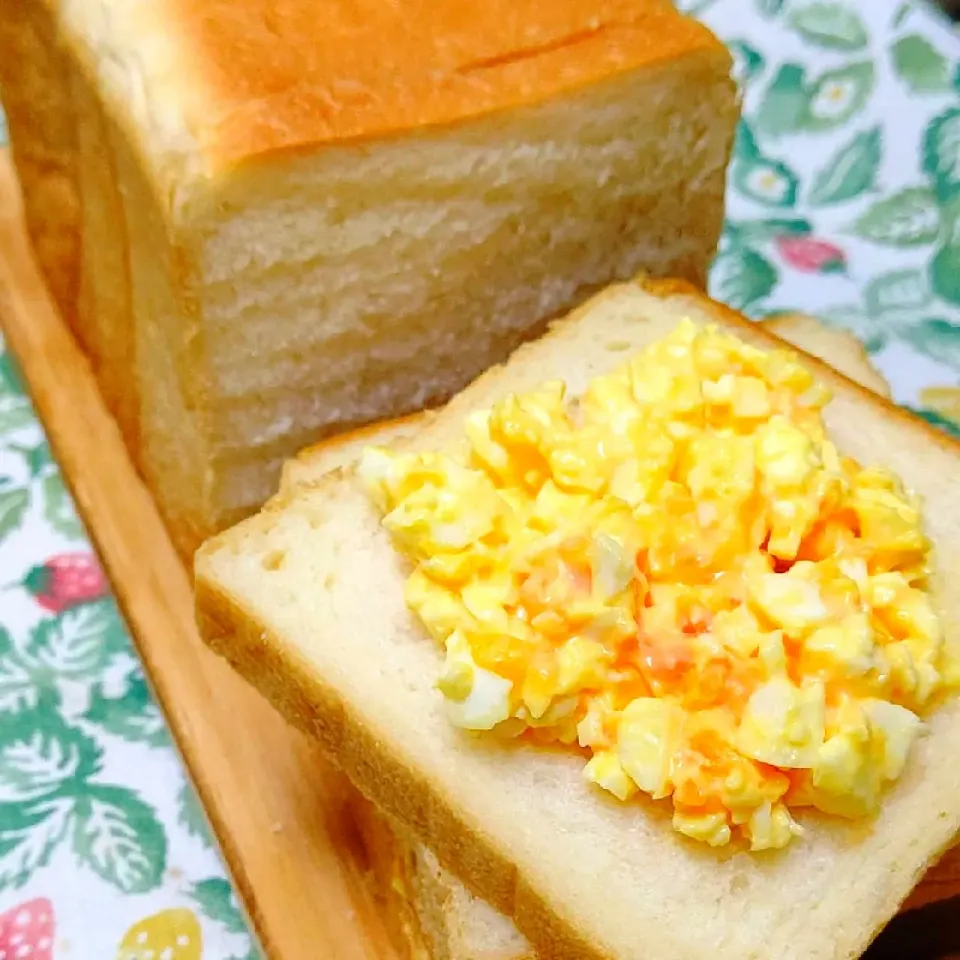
{"x":833,"y":98}
{"x":767,"y":182}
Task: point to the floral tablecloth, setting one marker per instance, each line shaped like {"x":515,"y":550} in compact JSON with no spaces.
{"x":844,"y":202}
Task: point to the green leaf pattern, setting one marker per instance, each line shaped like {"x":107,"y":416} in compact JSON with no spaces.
{"x":769,"y":8}
{"x":15,"y":412}
{"x":91,"y":793}
{"x":13,"y":506}
{"x":766,"y":181}
{"x":850,"y":141}
{"x":919,"y":65}
{"x":797,"y":102}
{"x":70,"y":646}
{"x":30,"y":834}
{"x":58,"y":507}
{"x":742,"y":277}
{"x":190,"y":814}
{"x":82,"y":740}
{"x":898,"y":290}
{"x":937,"y":338}
{"x":120,"y":838}
{"x":908,"y":218}
{"x":20,"y":683}
{"x":848,"y":172}
{"x":748,"y":61}
{"x":39,"y":753}
{"x":941,"y":153}
{"x":945,"y":274}
{"x":216,"y":899}
{"x":831,"y":25}
{"x":785,"y":102}
{"x":133,"y":715}
{"x":837,"y":95}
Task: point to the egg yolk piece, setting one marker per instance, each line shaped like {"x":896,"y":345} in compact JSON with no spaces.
{"x":681,"y":578}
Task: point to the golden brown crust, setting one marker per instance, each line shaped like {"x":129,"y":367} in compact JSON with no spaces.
{"x":286,"y":75}
{"x":35,"y":86}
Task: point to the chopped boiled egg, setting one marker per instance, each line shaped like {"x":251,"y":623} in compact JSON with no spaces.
{"x":681,"y":576}
{"x":783,"y":724}
{"x":711,"y":828}
{"x":770,"y":827}
{"x":894,"y":728}
{"x":647,"y":739}
{"x":791,"y":600}
{"x":605,"y":770}
{"x":843,"y":647}
{"x":476,"y":699}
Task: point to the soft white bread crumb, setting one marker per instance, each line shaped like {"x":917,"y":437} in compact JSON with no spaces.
{"x":306,"y":601}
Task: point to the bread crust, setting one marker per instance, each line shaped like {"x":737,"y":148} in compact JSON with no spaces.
{"x":283,"y":77}
{"x":393,"y":883}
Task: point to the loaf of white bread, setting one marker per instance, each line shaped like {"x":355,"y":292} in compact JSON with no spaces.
{"x":272,"y":222}
{"x":431,"y":914}
{"x":286,"y":598}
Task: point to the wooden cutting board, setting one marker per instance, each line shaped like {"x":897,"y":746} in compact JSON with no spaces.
{"x":280,"y":814}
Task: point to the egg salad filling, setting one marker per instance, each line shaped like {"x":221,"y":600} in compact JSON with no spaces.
{"x":679,"y":576}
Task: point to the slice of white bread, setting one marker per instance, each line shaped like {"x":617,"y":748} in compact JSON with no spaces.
{"x":270,"y":222}
{"x":433,"y":912}
{"x":306,"y":601}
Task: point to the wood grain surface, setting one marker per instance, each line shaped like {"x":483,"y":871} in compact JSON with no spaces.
{"x":280,"y":814}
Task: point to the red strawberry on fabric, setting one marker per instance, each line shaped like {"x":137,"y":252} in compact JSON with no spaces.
{"x":65,"y":580}
{"x":26,"y":931}
{"x":811,"y":255}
